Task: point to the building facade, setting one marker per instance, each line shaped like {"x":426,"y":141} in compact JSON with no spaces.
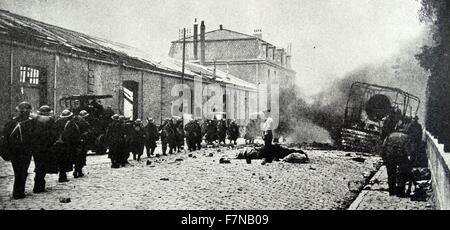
{"x":42,"y":63}
{"x":248,"y":57}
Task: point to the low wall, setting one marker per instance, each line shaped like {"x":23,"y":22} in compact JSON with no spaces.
{"x":439,"y":164}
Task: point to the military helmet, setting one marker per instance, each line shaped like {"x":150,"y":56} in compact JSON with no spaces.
{"x":44,"y":110}
{"x":83,"y":113}
{"x":65,"y":113}
{"x":24,"y":107}
{"x":115,"y":117}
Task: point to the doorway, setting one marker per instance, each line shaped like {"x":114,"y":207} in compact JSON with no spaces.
{"x":130,"y":99}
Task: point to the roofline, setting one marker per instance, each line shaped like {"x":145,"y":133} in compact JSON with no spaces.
{"x":173,"y":73}
{"x":244,"y":61}
{"x":250,"y":37}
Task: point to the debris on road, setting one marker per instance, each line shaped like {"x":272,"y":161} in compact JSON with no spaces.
{"x":210,"y":155}
{"x":64,"y":200}
{"x":148,"y":162}
{"x":165,"y":179}
{"x":179,"y":159}
{"x":248,"y":160}
{"x":312,"y":168}
{"x":359,"y":159}
{"x":224,"y":161}
{"x":298,"y":158}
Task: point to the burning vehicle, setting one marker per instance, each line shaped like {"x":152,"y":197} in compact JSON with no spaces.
{"x":370,"y":109}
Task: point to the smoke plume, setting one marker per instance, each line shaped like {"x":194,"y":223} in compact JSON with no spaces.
{"x":321,"y":120}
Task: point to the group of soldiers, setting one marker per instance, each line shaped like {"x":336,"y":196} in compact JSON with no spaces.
{"x":124,"y":136}
{"x":402,"y":143}
{"x":59,"y":143}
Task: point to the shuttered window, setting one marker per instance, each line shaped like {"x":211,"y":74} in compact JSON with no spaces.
{"x":29,"y":75}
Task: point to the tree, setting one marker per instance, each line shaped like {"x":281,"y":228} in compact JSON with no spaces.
{"x":436,"y":59}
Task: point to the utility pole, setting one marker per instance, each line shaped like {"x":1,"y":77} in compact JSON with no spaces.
{"x":182,"y":69}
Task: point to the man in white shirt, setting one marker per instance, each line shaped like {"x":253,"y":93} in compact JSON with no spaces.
{"x":267,"y":129}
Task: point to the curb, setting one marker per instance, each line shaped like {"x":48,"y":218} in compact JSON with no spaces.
{"x":355,"y":204}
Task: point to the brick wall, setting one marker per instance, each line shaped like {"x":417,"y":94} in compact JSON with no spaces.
{"x":219,"y":50}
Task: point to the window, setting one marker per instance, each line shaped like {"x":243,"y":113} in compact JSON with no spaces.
{"x":29,"y":75}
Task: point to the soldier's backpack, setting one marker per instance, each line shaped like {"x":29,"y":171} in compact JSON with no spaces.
{"x":69,"y":135}
{"x":15,"y":138}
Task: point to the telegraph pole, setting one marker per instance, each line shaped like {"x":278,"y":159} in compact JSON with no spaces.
{"x":182,"y":70}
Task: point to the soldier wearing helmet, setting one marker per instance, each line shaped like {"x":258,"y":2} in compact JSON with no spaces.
{"x":151,"y":136}
{"x":137,"y":139}
{"x":69,"y":138}
{"x":19,"y":135}
{"x":43,"y":158}
{"x":114,"y":137}
{"x":81,"y":148}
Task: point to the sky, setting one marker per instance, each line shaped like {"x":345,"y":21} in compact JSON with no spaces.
{"x":329,"y":37}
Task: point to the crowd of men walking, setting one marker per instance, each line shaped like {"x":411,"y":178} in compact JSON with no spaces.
{"x":59,"y":144}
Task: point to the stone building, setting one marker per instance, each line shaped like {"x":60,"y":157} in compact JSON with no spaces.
{"x":248,"y":57}
{"x":42,"y":63}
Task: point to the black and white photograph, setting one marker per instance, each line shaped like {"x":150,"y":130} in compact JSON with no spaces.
{"x":225,"y":105}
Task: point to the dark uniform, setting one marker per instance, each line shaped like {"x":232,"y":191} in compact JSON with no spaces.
{"x":414,"y":131}
{"x":19,"y":133}
{"x":104,"y":121}
{"x":115,"y":141}
{"x":44,"y":157}
{"x":395,"y":155}
{"x":199,"y":135}
{"x":127,"y":127}
{"x":191,"y":135}
{"x":151,"y":136}
{"x":211,"y":132}
{"x":221,"y":131}
{"x":233,"y":132}
{"x":179,"y":135}
{"x":69,"y":139}
{"x":250,"y":132}
{"x":137,"y":140}
{"x":168,"y":137}
{"x":82,"y":147}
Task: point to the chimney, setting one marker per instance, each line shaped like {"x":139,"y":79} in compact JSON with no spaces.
{"x":221,"y":27}
{"x":257,"y":33}
{"x":202,"y":43}
{"x":195,"y":39}
{"x":288,"y":55}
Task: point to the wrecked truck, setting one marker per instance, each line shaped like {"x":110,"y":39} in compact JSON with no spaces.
{"x":367,"y":110}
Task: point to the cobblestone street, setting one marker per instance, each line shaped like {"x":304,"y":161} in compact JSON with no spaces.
{"x":199,"y":183}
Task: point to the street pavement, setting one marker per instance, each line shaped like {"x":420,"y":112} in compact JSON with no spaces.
{"x":182,"y":182}
{"x":375,"y":196}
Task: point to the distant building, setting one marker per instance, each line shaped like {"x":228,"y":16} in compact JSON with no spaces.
{"x":42,"y":63}
{"x":248,"y":57}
